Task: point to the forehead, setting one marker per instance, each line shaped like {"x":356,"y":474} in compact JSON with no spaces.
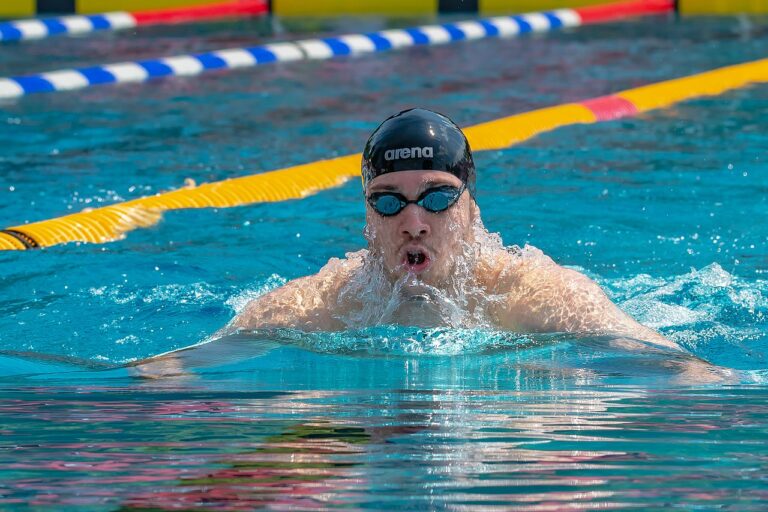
{"x":407,"y":180}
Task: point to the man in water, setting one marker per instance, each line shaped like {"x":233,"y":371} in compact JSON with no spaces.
{"x":431,"y":262}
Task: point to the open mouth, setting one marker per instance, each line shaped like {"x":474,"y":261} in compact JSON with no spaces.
{"x":416,"y":260}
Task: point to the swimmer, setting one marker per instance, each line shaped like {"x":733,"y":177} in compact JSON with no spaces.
{"x":431,"y":262}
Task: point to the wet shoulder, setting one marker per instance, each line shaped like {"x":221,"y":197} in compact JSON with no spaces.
{"x":344,"y":267}
{"x":337,"y":271}
{"x":518,"y":266}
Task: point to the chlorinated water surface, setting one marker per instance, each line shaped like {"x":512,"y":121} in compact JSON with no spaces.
{"x":665,"y":211}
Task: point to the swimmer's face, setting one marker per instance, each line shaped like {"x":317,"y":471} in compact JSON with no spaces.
{"x":415,"y":240}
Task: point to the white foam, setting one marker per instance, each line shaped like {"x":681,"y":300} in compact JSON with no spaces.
{"x":239,"y":301}
{"x":657,"y":314}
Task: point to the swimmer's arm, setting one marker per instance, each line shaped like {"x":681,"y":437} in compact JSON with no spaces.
{"x":298,"y":304}
{"x":585,"y":308}
{"x":550,"y":298}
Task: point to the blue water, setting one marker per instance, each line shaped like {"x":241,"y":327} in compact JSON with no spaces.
{"x":665,"y":211}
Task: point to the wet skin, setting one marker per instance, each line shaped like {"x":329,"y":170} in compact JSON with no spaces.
{"x":415,"y":240}
{"x":531,"y":294}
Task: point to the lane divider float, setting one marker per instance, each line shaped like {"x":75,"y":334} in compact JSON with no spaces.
{"x":110,"y":223}
{"x":312,"y":49}
{"x":22,"y":30}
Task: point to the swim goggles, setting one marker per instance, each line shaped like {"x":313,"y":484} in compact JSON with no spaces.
{"x":435,"y":200}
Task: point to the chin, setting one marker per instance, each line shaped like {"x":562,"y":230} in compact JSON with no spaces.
{"x":429,"y":277}
{"x":433,"y":275}
{"x":436,"y":280}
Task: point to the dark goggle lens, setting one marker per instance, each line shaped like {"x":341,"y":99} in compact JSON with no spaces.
{"x":387,"y":204}
{"x":440,"y":199}
{"x":433,"y":200}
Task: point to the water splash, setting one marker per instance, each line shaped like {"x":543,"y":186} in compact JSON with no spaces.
{"x":192,"y":293}
{"x":461,"y":301}
{"x":397,"y":340}
{"x":239,"y":301}
{"x":713,"y":313}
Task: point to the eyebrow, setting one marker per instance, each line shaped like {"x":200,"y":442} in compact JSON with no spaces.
{"x":433,"y":183}
{"x":422,"y":187}
{"x":385,"y":188}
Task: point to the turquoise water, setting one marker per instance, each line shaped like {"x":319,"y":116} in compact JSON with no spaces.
{"x":665,"y":211}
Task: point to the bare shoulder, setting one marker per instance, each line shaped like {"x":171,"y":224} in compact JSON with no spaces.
{"x":307,"y":302}
{"x":337,"y":269}
{"x":533,"y":287}
{"x":527,"y":268}
{"x":542,"y":296}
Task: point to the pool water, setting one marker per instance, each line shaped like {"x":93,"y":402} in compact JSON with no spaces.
{"x":665,"y":211}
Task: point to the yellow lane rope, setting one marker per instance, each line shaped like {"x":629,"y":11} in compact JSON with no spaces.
{"x":110,"y":223}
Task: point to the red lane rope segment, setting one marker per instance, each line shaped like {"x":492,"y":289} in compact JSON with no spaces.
{"x":220,"y":10}
{"x":609,"y":12}
{"x":607,"y":108}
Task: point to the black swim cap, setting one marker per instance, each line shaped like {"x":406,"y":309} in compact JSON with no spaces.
{"x":418,"y":139}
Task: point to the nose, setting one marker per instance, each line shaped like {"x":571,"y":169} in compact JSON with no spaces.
{"x":412,"y":222}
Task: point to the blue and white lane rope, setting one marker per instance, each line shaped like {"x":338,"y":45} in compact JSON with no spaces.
{"x":42,"y":28}
{"x":309,"y":49}
{"x":21,"y":30}
{"x":188,"y":65}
